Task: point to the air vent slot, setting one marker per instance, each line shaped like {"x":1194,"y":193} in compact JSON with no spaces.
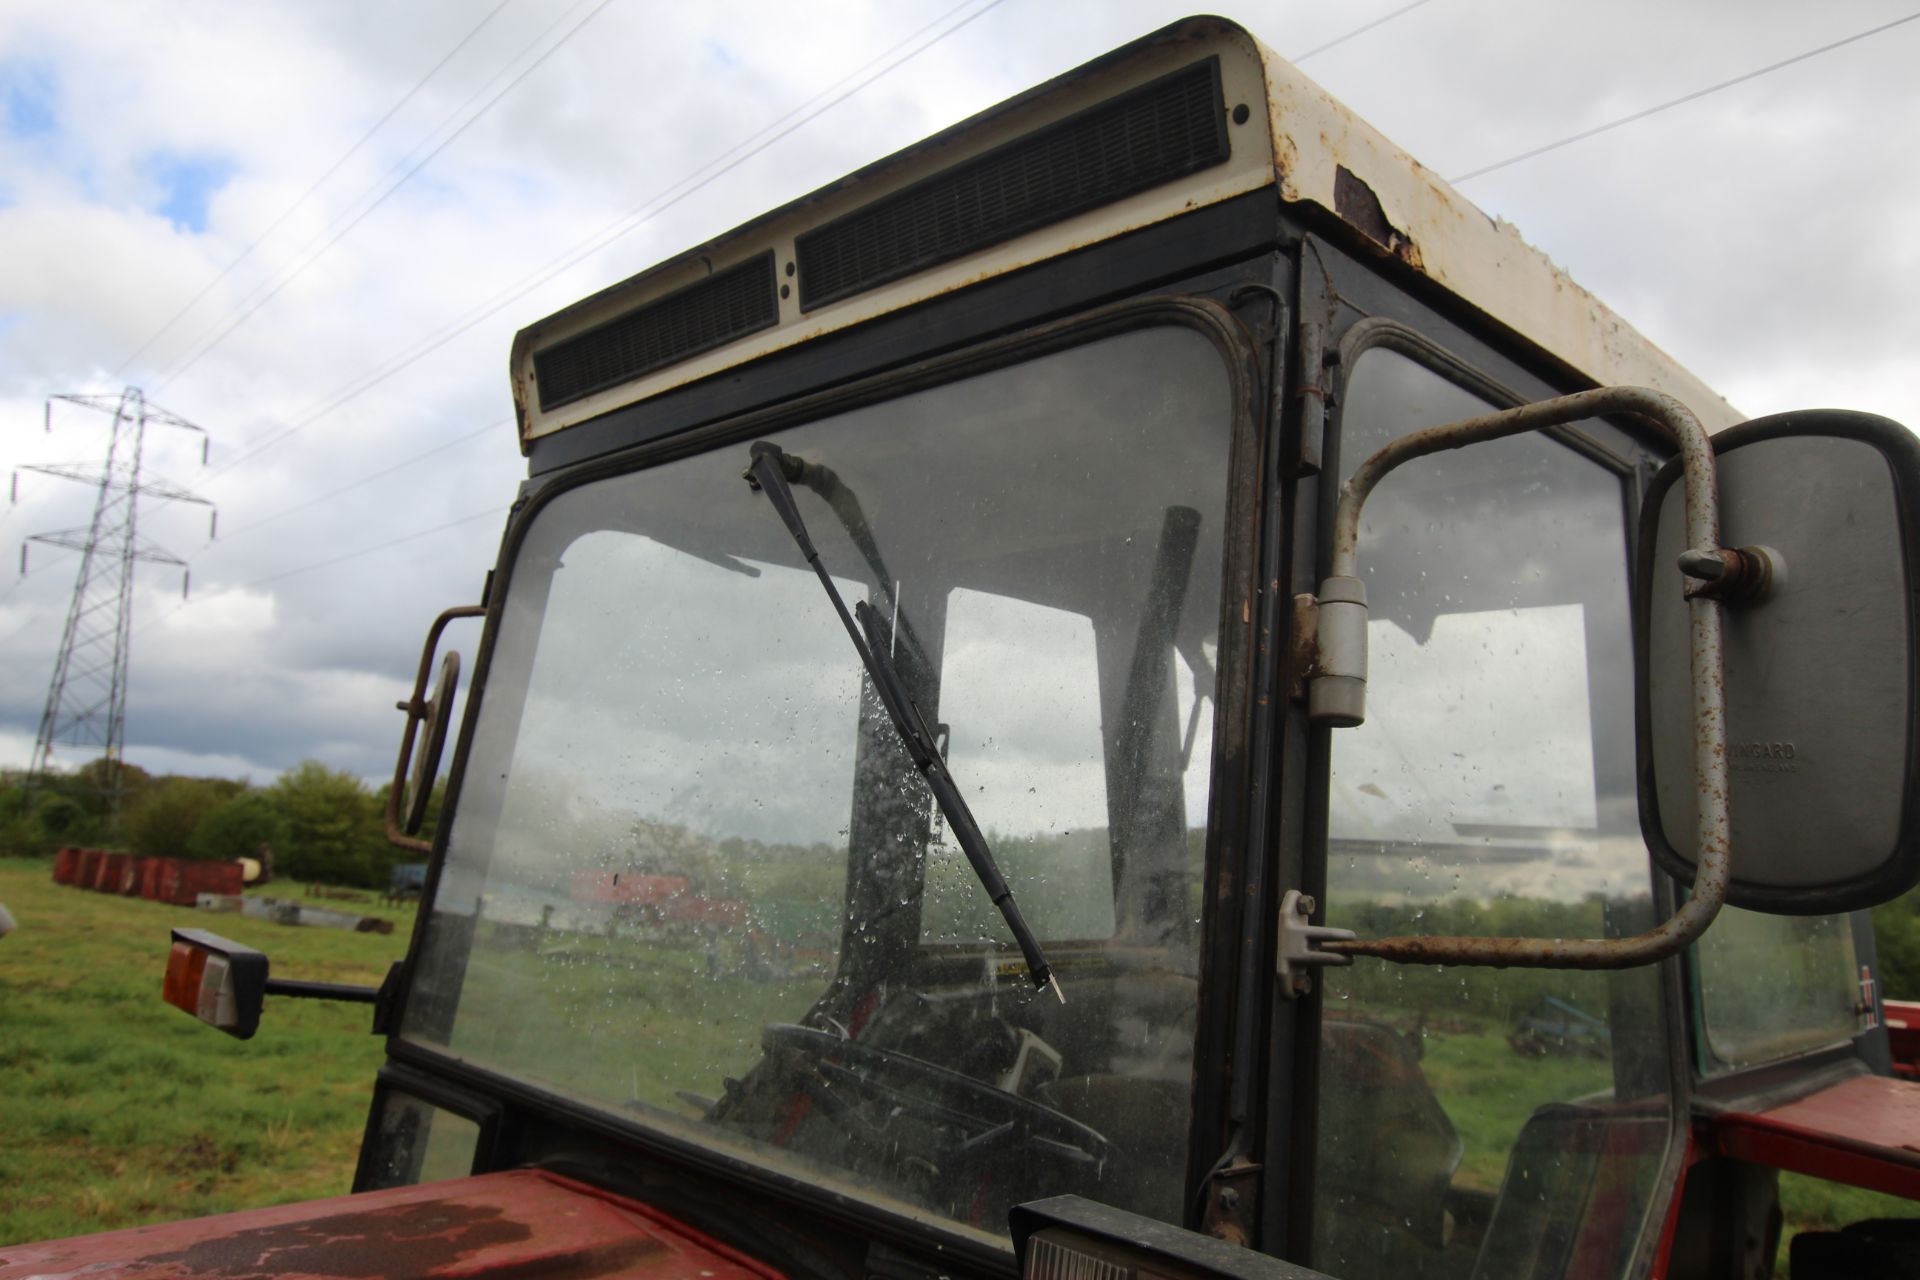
{"x":727,"y":305}
{"x":1163,"y":130}
{"x":1050,"y":1257}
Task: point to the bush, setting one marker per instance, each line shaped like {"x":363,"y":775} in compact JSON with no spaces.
{"x":239,"y":827}
{"x":335,"y":834}
{"x":162,"y":822}
{"x":1896,"y":937}
{"x":38,"y":821}
{"x":89,"y":785}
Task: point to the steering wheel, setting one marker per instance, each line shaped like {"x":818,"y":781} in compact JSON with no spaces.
{"x":971,"y":1121}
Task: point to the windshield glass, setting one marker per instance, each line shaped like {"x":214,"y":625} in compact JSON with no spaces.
{"x":694,"y":877}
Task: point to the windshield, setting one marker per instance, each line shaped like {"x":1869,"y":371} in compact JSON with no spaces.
{"x":695,"y":878}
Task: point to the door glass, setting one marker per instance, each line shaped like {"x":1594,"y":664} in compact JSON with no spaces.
{"x":1466,"y":1111}
{"x":1774,"y":986}
{"x":416,"y":1141}
{"x":694,"y":880}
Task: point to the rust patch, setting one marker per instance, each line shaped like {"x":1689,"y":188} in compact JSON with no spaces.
{"x":1303,"y":645}
{"x":1355,"y":202}
{"x":410,"y":1240}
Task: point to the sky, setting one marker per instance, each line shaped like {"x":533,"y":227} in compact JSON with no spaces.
{"x":191,"y":202}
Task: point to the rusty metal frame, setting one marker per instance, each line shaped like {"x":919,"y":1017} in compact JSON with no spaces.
{"x":1710,"y":725}
{"x":416,"y":711}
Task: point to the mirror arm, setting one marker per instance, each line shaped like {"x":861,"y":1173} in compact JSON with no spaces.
{"x":416,"y":709}
{"x":1337,"y":694}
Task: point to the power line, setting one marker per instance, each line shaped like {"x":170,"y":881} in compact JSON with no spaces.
{"x":24,"y":575}
{"x":363,"y":480}
{"x":367,"y":551}
{"x":594,"y":243}
{"x":318,"y":182}
{"x":415,"y":536}
{"x":1358,"y":31}
{"x":656,"y":204}
{"x":584,"y":248}
{"x":1683,"y":99}
{"x":382,"y":198}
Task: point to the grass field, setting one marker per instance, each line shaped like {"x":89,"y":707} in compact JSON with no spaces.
{"x":118,"y":1110}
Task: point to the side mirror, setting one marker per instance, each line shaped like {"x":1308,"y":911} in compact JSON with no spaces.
{"x":1820,"y":649}
{"x":225,"y":985}
{"x":425,"y":737}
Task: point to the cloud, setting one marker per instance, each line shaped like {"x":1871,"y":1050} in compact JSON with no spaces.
{"x":1757,"y":234}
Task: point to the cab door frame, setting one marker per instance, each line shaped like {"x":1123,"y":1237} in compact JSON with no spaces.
{"x":1346,"y":306}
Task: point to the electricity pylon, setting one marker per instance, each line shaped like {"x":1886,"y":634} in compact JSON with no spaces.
{"x":87,"y":700}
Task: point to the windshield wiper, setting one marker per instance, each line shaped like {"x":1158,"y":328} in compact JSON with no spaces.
{"x":768,"y":474}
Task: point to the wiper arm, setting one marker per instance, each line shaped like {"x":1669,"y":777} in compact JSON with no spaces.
{"x":768,"y":474}
{"x":845,"y":505}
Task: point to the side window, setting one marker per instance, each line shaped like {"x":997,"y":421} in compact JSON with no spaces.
{"x":1491,"y":791}
{"x":1769,"y":987}
{"x":416,"y":1141}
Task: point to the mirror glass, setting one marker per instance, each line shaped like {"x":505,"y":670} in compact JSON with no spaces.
{"x":1819,"y":674}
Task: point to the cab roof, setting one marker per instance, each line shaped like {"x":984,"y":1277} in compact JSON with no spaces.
{"x":1197,"y":113}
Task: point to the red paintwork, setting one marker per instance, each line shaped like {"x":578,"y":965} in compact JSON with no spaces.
{"x":1670,"y":1228}
{"x":668,"y":898}
{"x":1864,"y":1131}
{"x":153,"y":875}
{"x":183,"y":880}
{"x":696,"y":910}
{"x":517,"y":1224}
{"x":1903,"y":1033}
{"x":66,"y":865}
{"x":109,"y":871}
{"x":625,"y":886}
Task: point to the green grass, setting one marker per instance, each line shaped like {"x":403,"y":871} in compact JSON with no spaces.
{"x":116,"y":1110}
{"x":119,"y":1110}
{"x":1808,"y":1204}
{"x":620,"y":1019}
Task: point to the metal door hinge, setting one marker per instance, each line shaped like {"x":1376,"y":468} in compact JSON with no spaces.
{"x":1232,"y":1192}
{"x":1298,"y":954}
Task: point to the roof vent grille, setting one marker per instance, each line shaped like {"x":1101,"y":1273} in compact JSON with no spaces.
{"x":1162,"y":130}
{"x":727,"y":305}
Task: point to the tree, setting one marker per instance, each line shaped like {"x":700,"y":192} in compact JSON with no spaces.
{"x":163,"y":821}
{"x":1896,"y":929}
{"x":335,"y":833}
{"x":238,"y":827}
{"x":87,"y":786}
{"x":20,"y":830}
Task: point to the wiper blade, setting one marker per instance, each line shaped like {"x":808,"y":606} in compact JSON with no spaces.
{"x":768,"y":474}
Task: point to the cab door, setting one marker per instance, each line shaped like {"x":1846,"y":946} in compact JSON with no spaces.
{"x":1484,"y":1122}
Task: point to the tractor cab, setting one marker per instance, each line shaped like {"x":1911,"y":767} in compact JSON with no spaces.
{"x":1140,"y":689}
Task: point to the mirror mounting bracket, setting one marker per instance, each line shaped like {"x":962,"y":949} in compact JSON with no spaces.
{"x":1740,"y":576}
{"x":1298,"y":955}
{"x":419,"y":708}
